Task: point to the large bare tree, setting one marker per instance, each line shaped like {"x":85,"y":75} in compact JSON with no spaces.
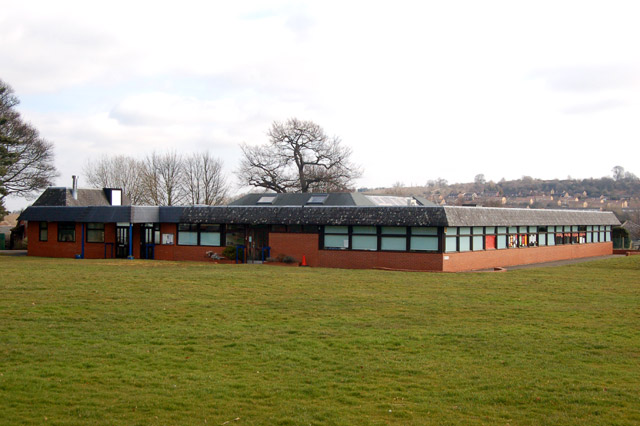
{"x":119,"y":171}
{"x":26,"y":159}
{"x":163,"y":178}
{"x":299,"y":157}
{"x":203,"y":179}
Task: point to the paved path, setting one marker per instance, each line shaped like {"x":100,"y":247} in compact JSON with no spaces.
{"x":557,"y":263}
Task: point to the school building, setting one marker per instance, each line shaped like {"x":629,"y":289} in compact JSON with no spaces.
{"x":341,"y":230}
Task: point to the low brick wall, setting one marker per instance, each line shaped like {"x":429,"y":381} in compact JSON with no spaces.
{"x":522,"y":256}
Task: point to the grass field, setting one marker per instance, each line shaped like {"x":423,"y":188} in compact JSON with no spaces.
{"x":143,"y":342}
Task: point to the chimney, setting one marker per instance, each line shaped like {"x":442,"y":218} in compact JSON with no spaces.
{"x":74,"y":189}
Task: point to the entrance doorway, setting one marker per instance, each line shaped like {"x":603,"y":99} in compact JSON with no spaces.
{"x":122,"y":242}
{"x":149,"y":236}
{"x":258,"y":243}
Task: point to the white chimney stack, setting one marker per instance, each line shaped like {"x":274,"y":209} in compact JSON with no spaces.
{"x":74,"y":189}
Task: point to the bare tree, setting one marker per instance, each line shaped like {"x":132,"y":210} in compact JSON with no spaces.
{"x":298,"y":157}
{"x":618,"y":173}
{"x":203,"y":181}
{"x":119,"y":171}
{"x":480,"y":179}
{"x":26,"y":159}
{"x":163,"y":178}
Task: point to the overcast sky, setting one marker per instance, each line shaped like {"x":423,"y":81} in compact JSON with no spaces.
{"x":418,"y":89}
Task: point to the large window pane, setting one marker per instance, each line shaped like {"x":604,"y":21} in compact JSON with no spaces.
{"x":210,"y":235}
{"x":477,"y":242}
{"x":551,"y":240}
{"x":424,"y":243}
{"x":67,"y":232}
{"x":465,"y":243}
{"x":187,"y":234}
{"x":44,"y":231}
{"x":95,"y":232}
{"x":364,"y":242}
{"x":450,"y":244}
{"x":336,"y":241}
{"x":210,"y":239}
{"x":502,"y":241}
{"x":394,"y":243}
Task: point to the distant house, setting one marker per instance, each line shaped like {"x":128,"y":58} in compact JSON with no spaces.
{"x":342,"y":230}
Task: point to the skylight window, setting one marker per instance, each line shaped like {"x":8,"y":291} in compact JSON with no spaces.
{"x":267,"y":199}
{"x":389,"y":200}
{"x":317,"y":199}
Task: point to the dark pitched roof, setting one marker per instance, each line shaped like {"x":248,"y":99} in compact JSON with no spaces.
{"x":59,"y":196}
{"x":322,"y":215}
{"x":332,"y":199}
{"x":295,"y":199}
{"x":310,"y":215}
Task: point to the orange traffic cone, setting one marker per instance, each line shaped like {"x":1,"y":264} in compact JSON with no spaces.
{"x":304,"y":261}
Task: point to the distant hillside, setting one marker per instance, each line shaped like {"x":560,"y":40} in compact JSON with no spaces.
{"x":619,"y":195}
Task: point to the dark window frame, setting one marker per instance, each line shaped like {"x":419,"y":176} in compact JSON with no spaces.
{"x":44,"y":228}
{"x":67,"y":226}
{"x":89,"y":230}
{"x":197,"y":228}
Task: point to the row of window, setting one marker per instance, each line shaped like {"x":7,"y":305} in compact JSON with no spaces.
{"x":458,"y":239}
{"x":386,"y":238}
{"x":501,"y":237}
{"x":188,"y":234}
{"x":67,"y":232}
{"x":381,"y":238}
{"x":203,"y":234}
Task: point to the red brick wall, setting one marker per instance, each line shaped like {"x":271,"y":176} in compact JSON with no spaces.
{"x":522,"y":256}
{"x":176,"y":252}
{"x":53,"y":248}
{"x":297,"y":245}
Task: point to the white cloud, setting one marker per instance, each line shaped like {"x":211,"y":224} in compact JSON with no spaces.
{"x":419,"y":90}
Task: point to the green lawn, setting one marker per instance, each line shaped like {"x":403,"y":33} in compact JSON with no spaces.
{"x":143,"y":342}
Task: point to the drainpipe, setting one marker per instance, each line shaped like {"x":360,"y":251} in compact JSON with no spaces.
{"x":82,"y":244}
{"x":130,"y":241}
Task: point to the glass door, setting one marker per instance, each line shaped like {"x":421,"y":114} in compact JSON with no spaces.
{"x":122,"y":242}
